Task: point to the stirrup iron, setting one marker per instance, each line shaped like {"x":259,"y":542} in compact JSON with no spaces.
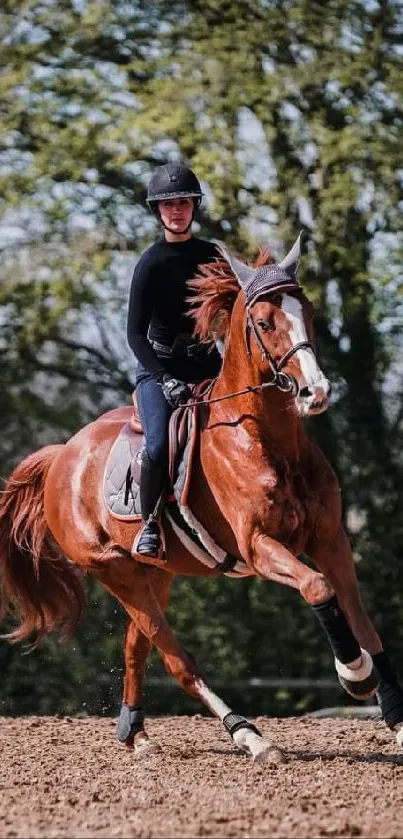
{"x":150,"y":540}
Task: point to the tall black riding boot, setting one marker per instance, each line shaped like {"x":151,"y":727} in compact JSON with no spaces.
{"x":153,"y":479}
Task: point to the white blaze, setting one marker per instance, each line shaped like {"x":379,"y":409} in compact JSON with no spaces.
{"x":310,"y":369}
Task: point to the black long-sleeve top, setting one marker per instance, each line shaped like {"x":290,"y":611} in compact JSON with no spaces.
{"x":157,"y":302}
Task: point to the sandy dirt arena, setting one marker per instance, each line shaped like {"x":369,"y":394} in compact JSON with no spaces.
{"x":68,"y":777}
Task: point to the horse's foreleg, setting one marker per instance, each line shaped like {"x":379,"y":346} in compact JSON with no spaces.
{"x":354,"y":665}
{"x":336,"y":562}
{"x":130,"y":729}
{"x":130,"y":583}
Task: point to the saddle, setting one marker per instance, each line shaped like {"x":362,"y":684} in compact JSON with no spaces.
{"x":121,"y":485}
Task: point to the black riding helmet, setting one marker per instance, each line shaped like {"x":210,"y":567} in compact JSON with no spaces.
{"x":173,"y":180}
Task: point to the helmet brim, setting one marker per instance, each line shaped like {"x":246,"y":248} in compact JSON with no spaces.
{"x":169,"y":196}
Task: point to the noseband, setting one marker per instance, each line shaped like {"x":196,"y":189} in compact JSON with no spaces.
{"x":283,"y":381}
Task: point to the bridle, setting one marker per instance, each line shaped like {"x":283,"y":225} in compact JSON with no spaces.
{"x":283,"y":381}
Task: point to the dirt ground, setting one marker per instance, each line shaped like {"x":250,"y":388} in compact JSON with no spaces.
{"x":68,"y":777}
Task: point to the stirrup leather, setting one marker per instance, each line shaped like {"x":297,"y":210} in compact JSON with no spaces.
{"x":150,"y":540}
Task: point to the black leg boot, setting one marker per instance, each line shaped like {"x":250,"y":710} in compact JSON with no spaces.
{"x":149,"y":540}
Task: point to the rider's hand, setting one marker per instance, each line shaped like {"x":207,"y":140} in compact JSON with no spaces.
{"x":176,"y":392}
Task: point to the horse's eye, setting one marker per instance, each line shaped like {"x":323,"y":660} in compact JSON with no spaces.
{"x":265,"y":325}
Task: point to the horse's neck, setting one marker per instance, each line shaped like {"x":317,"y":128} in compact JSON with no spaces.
{"x":267,"y":415}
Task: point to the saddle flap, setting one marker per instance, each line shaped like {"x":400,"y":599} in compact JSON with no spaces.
{"x":180,"y":425}
{"x":121,"y":488}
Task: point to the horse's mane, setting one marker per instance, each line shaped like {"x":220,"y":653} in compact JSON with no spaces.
{"x":216,"y":289}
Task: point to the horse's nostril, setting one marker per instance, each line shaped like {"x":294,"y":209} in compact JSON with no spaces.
{"x":319,"y":392}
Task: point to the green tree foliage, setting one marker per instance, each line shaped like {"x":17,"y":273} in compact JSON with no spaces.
{"x":291,"y":113}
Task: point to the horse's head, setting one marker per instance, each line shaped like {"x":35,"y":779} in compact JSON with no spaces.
{"x":279,"y":331}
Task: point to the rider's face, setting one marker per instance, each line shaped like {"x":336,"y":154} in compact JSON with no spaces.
{"x":176,"y":213}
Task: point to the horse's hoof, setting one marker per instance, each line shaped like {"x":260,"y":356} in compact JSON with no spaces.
{"x":144,"y":746}
{"x":270,"y":755}
{"x":256,"y":747}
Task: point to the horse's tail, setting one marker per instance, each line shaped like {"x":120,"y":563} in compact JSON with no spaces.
{"x":38,"y":583}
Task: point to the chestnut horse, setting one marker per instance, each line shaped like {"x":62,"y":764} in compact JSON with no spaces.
{"x":259,"y":485}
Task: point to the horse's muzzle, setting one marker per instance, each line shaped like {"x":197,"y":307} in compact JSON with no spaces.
{"x":313,"y":399}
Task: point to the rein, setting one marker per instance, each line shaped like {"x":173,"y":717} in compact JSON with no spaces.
{"x":248,"y":389}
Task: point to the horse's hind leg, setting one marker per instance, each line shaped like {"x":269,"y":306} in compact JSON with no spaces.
{"x":336,"y":563}
{"x":130,"y":583}
{"x":130,"y":729}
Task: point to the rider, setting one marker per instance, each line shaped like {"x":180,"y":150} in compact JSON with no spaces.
{"x":159,"y":332}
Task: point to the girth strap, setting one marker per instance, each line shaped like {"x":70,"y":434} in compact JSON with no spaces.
{"x":229,"y":561}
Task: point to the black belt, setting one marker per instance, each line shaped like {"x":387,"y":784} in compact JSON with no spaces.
{"x":179,"y":351}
